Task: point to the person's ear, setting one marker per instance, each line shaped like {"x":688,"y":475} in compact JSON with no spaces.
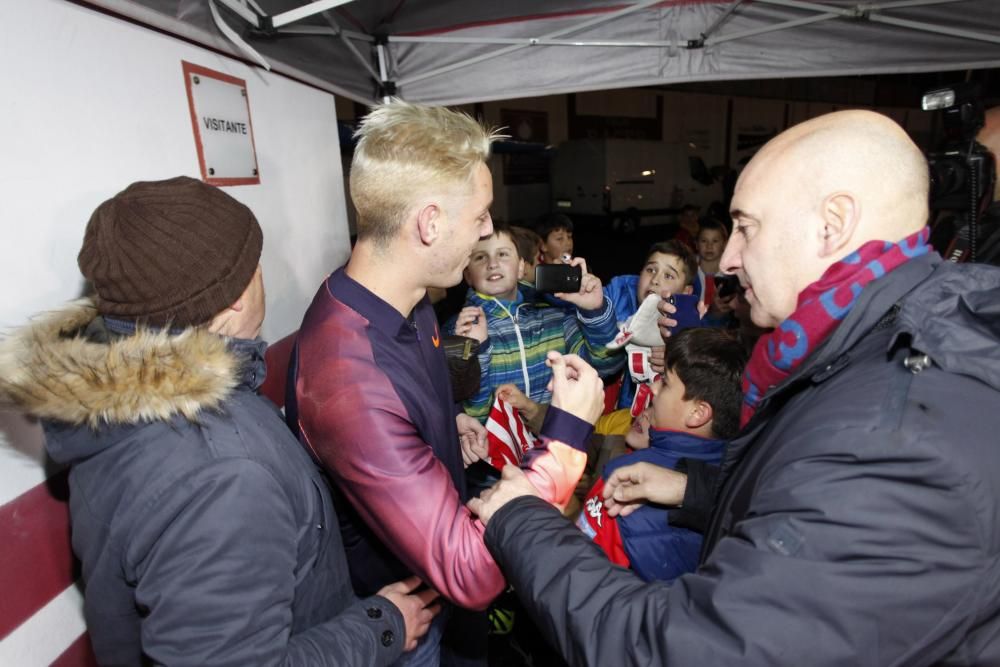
{"x":429,"y":220}
{"x":700,"y":414}
{"x":840,"y":214}
{"x":238,"y":305}
{"x":520,"y":269}
{"x":689,"y":289}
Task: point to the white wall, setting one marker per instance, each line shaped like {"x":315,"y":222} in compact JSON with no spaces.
{"x":90,"y":103}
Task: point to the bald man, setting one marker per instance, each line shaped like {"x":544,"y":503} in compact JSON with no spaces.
{"x":856,"y":518}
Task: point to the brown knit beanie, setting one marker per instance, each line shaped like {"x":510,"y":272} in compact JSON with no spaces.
{"x":172,"y":252}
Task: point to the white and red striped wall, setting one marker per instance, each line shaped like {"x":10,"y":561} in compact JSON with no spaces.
{"x":90,"y":103}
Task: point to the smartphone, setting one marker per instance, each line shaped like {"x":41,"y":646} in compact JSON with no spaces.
{"x":726,"y":285}
{"x":552,"y":278}
{"x":687,"y":314}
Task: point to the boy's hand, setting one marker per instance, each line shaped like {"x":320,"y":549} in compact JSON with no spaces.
{"x":657,"y":356}
{"x":576,"y":387}
{"x":533,"y":412}
{"x":471,"y":322}
{"x":471,"y":438}
{"x":666,"y":321}
{"x":667,"y":310}
{"x":629,"y":487}
{"x":417,"y":616}
{"x":591,"y":294}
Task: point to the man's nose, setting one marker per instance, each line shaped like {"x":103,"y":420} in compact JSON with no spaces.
{"x":731,"y":259}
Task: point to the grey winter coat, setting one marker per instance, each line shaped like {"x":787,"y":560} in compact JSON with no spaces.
{"x":858,"y":521}
{"x":206,"y":534}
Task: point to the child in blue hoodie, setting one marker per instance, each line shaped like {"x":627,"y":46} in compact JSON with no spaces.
{"x":695,"y":409}
{"x":670,"y":267}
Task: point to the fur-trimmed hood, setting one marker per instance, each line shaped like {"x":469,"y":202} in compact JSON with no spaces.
{"x":50,"y":370}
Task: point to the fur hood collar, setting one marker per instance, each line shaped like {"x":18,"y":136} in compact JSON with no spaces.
{"x":51,"y":371}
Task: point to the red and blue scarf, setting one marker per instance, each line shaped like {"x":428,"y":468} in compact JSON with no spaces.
{"x":820,"y":308}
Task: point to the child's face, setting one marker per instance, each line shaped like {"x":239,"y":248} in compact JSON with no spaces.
{"x":670,"y":409}
{"x":638,"y":435}
{"x":494,"y":267}
{"x":559,"y":242}
{"x":662,"y":274}
{"x":711,"y":243}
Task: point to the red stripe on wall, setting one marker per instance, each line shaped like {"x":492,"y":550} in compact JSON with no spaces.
{"x":79,"y":654}
{"x":36,"y":562}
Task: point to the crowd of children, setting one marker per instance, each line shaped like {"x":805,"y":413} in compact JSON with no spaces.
{"x":669,"y":400}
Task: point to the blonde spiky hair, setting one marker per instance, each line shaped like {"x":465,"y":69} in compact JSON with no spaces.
{"x":405,"y":149}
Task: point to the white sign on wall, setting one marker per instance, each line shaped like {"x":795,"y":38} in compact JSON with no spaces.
{"x":223,"y":133}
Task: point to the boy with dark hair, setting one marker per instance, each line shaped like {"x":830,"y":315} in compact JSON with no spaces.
{"x":556,"y":232}
{"x":696,"y":408}
{"x":670,"y":267}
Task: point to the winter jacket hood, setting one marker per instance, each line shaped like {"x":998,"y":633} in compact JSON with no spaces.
{"x":58,"y":368}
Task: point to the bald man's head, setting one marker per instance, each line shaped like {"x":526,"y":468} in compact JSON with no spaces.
{"x":989,"y":136}
{"x":816,"y":193}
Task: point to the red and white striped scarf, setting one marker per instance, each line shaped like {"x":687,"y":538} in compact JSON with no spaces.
{"x":507,"y":435}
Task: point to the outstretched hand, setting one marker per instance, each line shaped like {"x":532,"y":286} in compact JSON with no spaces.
{"x":631,"y":486}
{"x":513,"y":484}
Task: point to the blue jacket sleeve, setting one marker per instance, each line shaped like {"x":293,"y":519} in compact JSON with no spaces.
{"x":588,"y":331}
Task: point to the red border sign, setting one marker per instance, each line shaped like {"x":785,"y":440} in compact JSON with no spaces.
{"x":190,"y":69}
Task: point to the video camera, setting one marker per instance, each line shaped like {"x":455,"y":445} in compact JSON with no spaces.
{"x":962,"y":172}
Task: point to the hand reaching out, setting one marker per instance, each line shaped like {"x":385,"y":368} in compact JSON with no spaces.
{"x":629,"y":487}
{"x":532,"y":412}
{"x":513,"y":484}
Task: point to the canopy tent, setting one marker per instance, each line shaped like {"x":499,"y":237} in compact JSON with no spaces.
{"x":460,"y":51}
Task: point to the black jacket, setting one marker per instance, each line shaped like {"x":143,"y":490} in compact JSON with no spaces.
{"x":859,"y":515}
{"x":206,"y":534}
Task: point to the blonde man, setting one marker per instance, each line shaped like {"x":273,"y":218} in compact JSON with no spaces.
{"x":372,"y":398}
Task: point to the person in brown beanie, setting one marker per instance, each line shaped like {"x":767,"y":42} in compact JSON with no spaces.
{"x":205,"y":532}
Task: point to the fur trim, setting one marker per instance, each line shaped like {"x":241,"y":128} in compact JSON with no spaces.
{"x":48,"y":370}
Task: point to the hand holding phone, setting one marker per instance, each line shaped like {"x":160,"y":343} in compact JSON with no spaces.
{"x":553,"y":278}
{"x":685,"y":313}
